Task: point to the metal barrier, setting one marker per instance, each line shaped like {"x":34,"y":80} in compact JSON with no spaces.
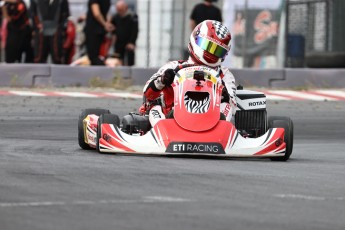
{"x":24,"y":75}
{"x":315,"y":28}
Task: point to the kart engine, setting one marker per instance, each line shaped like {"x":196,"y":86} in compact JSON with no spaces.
{"x":251,"y":114}
{"x":135,"y":124}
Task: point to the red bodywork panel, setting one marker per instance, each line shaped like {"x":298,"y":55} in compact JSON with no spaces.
{"x":195,"y":121}
{"x":170,"y":131}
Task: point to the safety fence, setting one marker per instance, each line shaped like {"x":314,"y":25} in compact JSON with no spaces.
{"x":41,"y":75}
{"x":315,"y":33}
{"x":312,"y":26}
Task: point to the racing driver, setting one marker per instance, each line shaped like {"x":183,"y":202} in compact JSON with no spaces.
{"x":208,"y":46}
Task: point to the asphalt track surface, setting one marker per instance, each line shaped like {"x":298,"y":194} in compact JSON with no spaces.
{"x":48,"y":182}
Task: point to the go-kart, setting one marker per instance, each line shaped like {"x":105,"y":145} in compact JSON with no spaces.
{"x":195,"y":125}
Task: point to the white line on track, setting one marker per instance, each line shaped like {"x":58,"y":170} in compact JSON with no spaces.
{"x":165,"y":199}
{"x":307,"y":197}
{"x":147,"y":199}
{"x":337,"y":93}
{"x":75,"y":94}
{"x":27,"y":93}
{"x":277,"y":98}
{"x":124,"y":95}
{"x":303,"y":95}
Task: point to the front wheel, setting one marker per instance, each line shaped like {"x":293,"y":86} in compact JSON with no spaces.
{"x":81,"y":131}
{"x":287,"y":124}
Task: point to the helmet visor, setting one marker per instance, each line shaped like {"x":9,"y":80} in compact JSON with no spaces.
{"x":211,"y":47}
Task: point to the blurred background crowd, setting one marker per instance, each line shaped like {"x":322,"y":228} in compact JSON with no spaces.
{"x":148,"y":33}
{"x":41,"y":31}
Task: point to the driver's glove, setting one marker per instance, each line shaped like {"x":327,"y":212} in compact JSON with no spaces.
{"x":168,"y":77}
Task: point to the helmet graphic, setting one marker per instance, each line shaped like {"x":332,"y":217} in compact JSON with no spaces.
{"x":209,"y":43}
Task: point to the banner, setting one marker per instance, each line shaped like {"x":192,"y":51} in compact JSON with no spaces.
{"x":256,"y":37}
{"x":255,"y":33}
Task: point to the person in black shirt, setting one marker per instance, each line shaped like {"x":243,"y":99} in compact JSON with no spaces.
{"x":205,"y":11}
{"x":126,"y":33}
{"x":96,"y":28}
{"x":1,"y":35}
{"x":49,"y":17}
{"x":19,"y":32}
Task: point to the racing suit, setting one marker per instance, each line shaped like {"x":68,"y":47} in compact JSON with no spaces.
{"x":19,"y":33}
{"x":49,"y":18}
{"x":154,"y":87}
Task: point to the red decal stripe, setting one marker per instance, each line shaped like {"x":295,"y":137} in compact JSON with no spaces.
{"x":275,"y":136}
{"x":103,"y":142}
{"x":271,"y":145}
{"x":283,"y":146}
{"x":106,"y":129}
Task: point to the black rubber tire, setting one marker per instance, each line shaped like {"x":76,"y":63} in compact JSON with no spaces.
{"x":82,"y":116}
{"x":325,"y":59}
{"x":105,"y":119}
{"x":287,"y":124}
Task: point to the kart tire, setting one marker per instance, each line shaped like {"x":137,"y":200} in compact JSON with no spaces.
{"x":287,"y":124}
{"x":105,"y":119}
{"x":82,"y":116}
{"x":325,"y":59}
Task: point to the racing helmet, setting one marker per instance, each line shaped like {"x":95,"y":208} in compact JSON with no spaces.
{"x":209,"y":43}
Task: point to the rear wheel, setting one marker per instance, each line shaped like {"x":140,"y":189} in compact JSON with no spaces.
{"x":105,"y":119}
{"x":82,"y":116}
{"x":287,"y":124}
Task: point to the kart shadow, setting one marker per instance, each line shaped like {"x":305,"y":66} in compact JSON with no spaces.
{"x":189,"y":156}
{"x":204,"y":157}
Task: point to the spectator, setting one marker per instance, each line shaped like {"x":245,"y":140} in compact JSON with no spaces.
{"x":49,"y":17}
{"x":96,"y":28}
{"x":19,"y":32}
{"x":126,"y":33}
{"x":1,"y":32}
{"x":205,"y":11}
{"x":69,"y":35}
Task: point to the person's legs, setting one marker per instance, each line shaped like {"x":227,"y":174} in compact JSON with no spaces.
{"x":93,"y":44}
{"x":12,"y":48}
{"x":119,"y":50}
{"x":68,"y":55}
{"x":130,"y":57}
{"x":41,"y":48}
{"x":26,"y":45}
{"x":55,"y":49}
